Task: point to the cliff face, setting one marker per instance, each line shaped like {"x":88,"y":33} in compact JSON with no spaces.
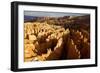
{"x":49,"y":38}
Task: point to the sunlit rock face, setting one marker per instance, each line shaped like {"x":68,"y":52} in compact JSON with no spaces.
{"x":57,"y":38}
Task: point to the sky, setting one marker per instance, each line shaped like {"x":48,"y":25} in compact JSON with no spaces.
{"x":51,"y":14}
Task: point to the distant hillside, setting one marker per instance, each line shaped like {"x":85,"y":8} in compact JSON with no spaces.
{"x":29,"y":18}
{"x":66,"y":21}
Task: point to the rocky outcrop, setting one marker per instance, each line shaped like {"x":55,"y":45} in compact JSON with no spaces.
{"x":44,"y":41}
